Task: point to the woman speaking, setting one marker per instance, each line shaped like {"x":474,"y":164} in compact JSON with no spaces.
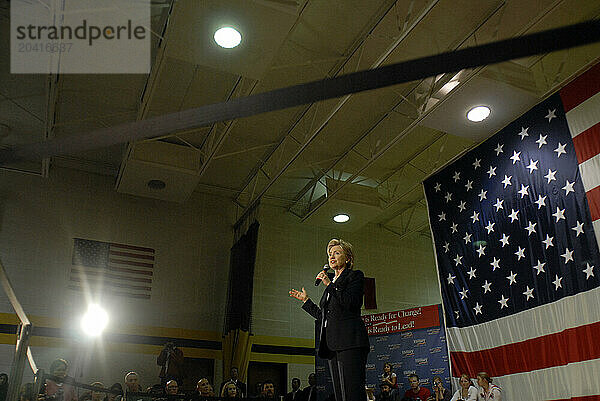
{"x":343,"y":339}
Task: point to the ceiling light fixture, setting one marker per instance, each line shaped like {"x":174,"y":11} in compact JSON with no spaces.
{"x":156,"y":184}
{"x":341,"y":218}
{"x":227,"y":37}
{"x":479,"y":113}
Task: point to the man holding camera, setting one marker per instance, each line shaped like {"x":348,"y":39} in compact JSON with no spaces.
{"x":171,"y":362}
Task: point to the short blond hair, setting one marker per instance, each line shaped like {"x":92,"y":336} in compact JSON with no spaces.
{"x":346,"y":247}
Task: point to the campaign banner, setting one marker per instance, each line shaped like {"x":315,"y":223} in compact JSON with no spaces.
{"x":409,"y":319}
{"x":413,"y":341}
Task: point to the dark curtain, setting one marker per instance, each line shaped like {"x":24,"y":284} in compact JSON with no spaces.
{"x":237,"y":340}
{"x":238,"y":314}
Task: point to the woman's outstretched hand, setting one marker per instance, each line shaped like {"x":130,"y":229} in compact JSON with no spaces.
{"x":301,"y":295}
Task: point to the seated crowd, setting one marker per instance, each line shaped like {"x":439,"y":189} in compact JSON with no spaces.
{"x":170,"y":389}
{"x":131,"y":389}
{"x":466,"y":392}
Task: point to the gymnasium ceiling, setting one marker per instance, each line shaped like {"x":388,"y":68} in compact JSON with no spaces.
{"x":364,"y":154}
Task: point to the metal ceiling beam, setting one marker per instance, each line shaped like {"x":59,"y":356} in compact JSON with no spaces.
{"x":386,"y":148}
{"x":393,"y":199}
{"x":149,"y":87}
{"x":214,"y":140}
{"x":339,"y":105}
{"x":14,"y":102}
{"x":405,"y":234}
{"x":516,"y":47}
{"x":316,"y":179}
{"x":336,"y":70}
{"x":420,"y":108}
{"x":424,"y":113}
{"x":53,"y":83}
{"x":239,"y":152}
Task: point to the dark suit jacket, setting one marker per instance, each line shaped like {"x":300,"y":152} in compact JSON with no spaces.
{"x":306,"y":393}
{"x":340,"y":308}
{"x":290,"y":396}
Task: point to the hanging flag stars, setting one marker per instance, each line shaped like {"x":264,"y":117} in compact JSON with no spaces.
{"x":542,"y":141}
{"x":515,"y":157}
{"x":523,"y":133}
{"x":512,"y":227}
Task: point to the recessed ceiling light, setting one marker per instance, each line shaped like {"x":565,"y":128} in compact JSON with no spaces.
{"x":341,"y":218}
{"x":227,"y":37}
{"x":479,"y":113}
{"x":156,"y":184}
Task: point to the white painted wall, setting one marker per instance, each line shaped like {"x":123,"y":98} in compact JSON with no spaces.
{"x":39,"y":217}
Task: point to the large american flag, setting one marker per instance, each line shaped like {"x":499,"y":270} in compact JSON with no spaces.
{"x":116,"y":269}
{"x":517,"y":252}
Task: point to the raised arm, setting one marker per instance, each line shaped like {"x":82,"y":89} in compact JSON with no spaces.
{"x":308,"y":305}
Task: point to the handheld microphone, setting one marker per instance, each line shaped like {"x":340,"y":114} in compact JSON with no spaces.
{"x":325,"y":268}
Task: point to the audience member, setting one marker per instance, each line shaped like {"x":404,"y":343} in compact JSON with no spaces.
{"x":235,"y":379}
{"x":156,"y":391}
{"x":466,"y":391}
{"x":98,"y":395}
{"x":170,"y":360}
{"x":440,"y":393}
{"x":416,"y":392}
{"x":230,"y":390}
{"x":203,"y":389}
{"x":296,"y":393}
{"x":3,"y":386}
{"x":132,"y":385}
{"x":310,"y":393}
{"x":268,"y":390}
{"x":59,"y":368}
{"x":116,"y":397}
{"x":172,"y":388}
{"x":386,"y":393}
{"x":389,"y":376}
{"x":489,"y":391}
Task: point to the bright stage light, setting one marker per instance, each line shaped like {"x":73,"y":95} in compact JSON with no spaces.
{"x":94,"y":321}
{"x":228,"y":37}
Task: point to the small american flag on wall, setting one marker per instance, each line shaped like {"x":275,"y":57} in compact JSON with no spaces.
{"x":116,"y":269}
